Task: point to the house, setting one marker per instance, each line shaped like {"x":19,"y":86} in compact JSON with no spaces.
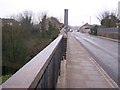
{"x":8,"y":21}
{"x":85,"y":28}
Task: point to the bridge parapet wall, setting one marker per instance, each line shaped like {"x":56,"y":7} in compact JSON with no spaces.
{"x":40,"y":72}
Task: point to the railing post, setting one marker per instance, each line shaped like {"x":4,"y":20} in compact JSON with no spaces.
{"x":64,"y":46}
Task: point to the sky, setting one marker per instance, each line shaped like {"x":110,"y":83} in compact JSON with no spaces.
{"x":79,"y":11}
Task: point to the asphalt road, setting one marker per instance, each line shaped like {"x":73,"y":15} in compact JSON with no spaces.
{"x":104,"y":51}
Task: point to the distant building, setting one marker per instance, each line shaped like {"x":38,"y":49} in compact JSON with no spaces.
{"x":85,"y":28}
{"x":8,"y":21}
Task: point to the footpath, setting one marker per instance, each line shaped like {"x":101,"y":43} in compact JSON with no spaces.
{"x":80,"y":70}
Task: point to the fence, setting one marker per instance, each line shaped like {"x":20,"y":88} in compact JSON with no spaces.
{"x":109,"y":32}
{"x":40,"y":72}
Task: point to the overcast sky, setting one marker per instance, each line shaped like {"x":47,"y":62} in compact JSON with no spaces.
{"x":80,"y":11}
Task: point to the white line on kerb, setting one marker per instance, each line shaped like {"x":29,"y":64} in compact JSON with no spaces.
{"x":105,"y":75}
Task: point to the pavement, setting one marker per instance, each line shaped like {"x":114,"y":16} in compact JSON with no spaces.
{"x":80,"y":70}
{"x":105,"y":52}
{"x":115,"y":40}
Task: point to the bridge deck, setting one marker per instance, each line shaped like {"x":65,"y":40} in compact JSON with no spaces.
{"x":80,"y":70}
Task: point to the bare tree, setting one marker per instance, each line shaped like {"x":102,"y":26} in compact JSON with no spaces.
{"x":108,"y":19}
{"x":26,"y":17}
{"x":103,"y":15}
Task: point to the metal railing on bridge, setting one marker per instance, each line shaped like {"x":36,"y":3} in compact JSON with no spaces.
{"x":42,"y":71}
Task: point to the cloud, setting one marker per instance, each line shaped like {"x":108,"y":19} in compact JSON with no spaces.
{"x":79,"y":10}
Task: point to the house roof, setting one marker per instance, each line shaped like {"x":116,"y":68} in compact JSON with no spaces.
{"x":8,"y":20}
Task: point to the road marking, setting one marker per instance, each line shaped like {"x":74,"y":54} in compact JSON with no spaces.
{"x":104,"y":74}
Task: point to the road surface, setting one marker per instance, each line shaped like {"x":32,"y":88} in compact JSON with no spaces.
{"x":104,"y":51}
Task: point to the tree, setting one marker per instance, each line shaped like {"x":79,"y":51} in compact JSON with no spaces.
{"x":93,"y":30}
{"x":50,"y":28}
{"x":13,"y":49}
{"x":26,"y":23}
{"x":26,"y":17}
{"x":18,"y":47}
{"x":43,"y":25}
{"x":108,"y":19}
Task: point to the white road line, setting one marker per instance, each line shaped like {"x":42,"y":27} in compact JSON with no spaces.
{"x":105,"y":75}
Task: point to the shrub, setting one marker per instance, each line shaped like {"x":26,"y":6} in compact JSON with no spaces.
{"x":93,"y":30}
